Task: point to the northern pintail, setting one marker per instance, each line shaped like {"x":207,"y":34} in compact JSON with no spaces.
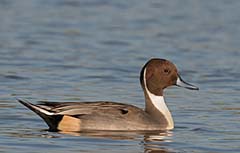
{"x":156,"y":75}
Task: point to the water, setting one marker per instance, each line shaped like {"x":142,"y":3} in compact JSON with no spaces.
{"x":93,"y":50}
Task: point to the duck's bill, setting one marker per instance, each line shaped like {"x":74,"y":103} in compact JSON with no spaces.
{"x":184,"y":84}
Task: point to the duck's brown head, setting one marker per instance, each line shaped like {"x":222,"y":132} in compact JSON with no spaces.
{"x":158,"y":74}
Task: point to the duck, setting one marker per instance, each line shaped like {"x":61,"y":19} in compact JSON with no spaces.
{"x":156,"y":75}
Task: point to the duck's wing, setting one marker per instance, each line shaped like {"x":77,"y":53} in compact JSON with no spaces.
{"x":85,"y":108}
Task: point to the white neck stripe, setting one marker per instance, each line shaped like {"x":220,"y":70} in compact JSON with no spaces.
{"x":159,"y":103}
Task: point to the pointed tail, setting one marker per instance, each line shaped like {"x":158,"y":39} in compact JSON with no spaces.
{"x":49,"y":117}
{"x":37,"y":109}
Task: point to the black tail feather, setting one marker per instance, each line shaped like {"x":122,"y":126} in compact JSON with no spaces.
{"x":49,"y":117}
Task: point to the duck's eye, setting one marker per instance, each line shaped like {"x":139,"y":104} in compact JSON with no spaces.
{"x":166,"y":71}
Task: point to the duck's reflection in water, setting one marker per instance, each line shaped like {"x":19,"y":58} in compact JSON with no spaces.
{"x":151,"y":142}
{"x":158,"y":142}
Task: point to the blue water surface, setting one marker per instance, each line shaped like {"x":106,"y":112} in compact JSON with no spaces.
{"x":86,"y":50}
